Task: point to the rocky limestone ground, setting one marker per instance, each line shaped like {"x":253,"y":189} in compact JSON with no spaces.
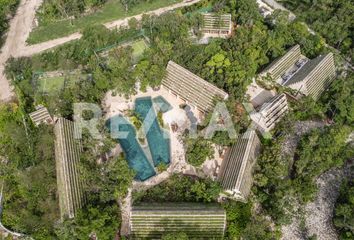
{"x":319,"y":213}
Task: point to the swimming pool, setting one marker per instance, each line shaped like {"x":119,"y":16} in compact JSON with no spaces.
{"x":161,"y":104}
{"x":134,"y":154}
{"x":159,"y":143}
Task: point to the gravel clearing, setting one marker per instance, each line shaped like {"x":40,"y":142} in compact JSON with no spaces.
{"x":319,"y":213}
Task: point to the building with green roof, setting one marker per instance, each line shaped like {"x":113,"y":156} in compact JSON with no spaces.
{"x":236,"y":169}
{"x":67,"y":157}
{"x":192,"y":89}
{"x":197,"y":220}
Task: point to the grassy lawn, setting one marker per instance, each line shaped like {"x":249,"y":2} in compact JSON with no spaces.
{"x":112,"y":10}
{"x":139,"y":47}
{"x":52,"y":84}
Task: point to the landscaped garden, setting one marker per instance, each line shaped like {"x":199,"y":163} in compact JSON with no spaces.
{"x":50,"y":83}
{"x":281,"y":190}
{"x":138,"y":45}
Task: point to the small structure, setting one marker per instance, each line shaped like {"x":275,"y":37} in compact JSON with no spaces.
{"x":314,"y":77}
{"x":41,"y":115}
{"x":197,"y":220}
{"x":195,"y":91}
{"x":258,"y":95}
{"x":270,"y":113}
{"x":67,"y":156}
{"x":236,"y":169}
{"x":215,"y":25}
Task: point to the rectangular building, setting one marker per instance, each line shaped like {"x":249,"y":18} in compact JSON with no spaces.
{"x":314,"y":77}
{"x":215,"y":25}
{"x":270,"y":113}
{"x":41,"y":115}
{"x":197,"y":220}
{"x":281,"y":65}
{"x":236,"y":169}
{"x":67,"y":156}
{"x":192,"y":89}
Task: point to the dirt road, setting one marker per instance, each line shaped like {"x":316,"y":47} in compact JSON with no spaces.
{"x":21,"y":25}
{"x":37,"y":48}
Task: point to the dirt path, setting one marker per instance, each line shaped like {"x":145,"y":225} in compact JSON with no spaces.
{"x":20,"y":28}
{"x":40,"y":47}
{"x":319,"y":213}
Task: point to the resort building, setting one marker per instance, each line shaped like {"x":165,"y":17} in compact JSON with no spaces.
{"x":236,"y":169}
{"x":197,"y":220}
{"x":215,"y":25}
{"x":314,"y":77}
{"x":193,"y":90}
{"x":270,"y":113}
{"x":309,"y":77}
{"x":281,"y":65}
{"x":67,"y":156}
{"x":41,"y":115}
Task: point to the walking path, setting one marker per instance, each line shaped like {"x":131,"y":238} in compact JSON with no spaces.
{"x":21,"y":26}
{"x":40,"y":47}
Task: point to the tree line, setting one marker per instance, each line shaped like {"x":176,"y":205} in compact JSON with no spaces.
{"x":331,"y":18}
{"x":229,"y":64}
{"x":7,"y":11}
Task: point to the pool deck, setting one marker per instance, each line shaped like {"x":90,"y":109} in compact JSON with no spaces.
{"x":114,"y":105}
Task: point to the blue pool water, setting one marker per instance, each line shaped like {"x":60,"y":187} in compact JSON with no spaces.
{"x":133,"y":152}
{"x":162,"y":104}
{"x":159,"y":144}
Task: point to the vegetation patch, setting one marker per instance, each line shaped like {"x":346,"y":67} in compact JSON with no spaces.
{"x":344,"y":211}
{"x":50,"y":83}
{"x":112,"y":10}
{"x":179,"y":188}
{"x":7,"y":10}
{"x":332,"y":19}
{"x":138,"y":47}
